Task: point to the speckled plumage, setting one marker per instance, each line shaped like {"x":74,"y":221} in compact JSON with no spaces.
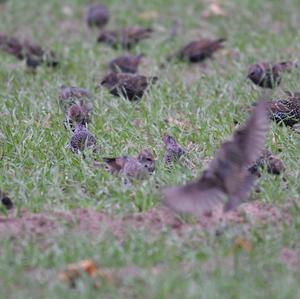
{"x":197,"y":51}
{"x":131,"y":86}
{"x":268,"y":75}
{"x":70,"y":95}
{"x":11,"y":45}
{"x":77,"y":113}
{"x":125,"y":38}
{"x":227,"y":176}
{"x":269,"y":161}
{"x":81,"y":139}
{"x":97,"y":15}
{"x":285,"y":111}
{"x":173,"y":150}
{"x":139,"y":167}
{"x":126,"y":64}
{"x":33,"y":54}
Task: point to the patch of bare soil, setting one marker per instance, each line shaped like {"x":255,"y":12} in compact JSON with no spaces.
{"x":155,"y":220}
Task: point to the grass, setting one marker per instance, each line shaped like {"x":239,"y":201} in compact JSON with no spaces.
{"x":40,"y":173}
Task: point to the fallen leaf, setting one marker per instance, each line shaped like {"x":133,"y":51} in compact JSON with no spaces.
{"x":138,"y":123}
{"x":149,"y":15}
{"x":242,"y":244}
{"x":67,"y":11}
{"x":113,"y":276}
{"x":178,"y":121}
{"x":46,"y":120}
{"x":214,"y":9}
{"x":74,"y":271}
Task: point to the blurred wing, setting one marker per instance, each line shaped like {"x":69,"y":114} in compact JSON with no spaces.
{"x":195,"y":198}
{"x":242,"y":193}
{"x":230,"y":163}
{"x":251,"y":137}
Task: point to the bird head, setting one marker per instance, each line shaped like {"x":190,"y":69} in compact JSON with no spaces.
{"x":146,"y":158}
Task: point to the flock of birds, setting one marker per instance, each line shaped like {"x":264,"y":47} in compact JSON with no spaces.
{"x":232,"y":173}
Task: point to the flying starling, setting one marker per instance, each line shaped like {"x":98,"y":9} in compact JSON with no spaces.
{"x":227,"y":175}
{"x":131,"y":86}
{"x":269,"y":161}
{"x":139,"y":167}
{"x":126,"y":64}
{"x":173,"y":150}
{"x":125,"y":38}
{"x":268,"y":75}
{"x":81,"y":139}
{"x":97,"y":15}
{"x":197,"y":51}
{"x":6,"y":201}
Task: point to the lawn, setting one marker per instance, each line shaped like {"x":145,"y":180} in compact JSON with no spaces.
{"x":67,"y":210}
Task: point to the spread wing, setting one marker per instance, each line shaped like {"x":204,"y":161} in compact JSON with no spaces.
{"x":194,"y":198}
{"x":236,"y":155}
{"x":242,"y":192}
{"x":227,"y":174}
{"x":251,"y":137}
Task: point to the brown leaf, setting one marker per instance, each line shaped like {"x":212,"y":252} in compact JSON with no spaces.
{"x":242,"y":244}
{"x":138,"y":123}
{"x":46,"y":120}
{"x":67,"y":11}
{"x":74,"y":271}
{"x":214,"y":9}
{"x":149,"y":15}
{"x":178,"y":121}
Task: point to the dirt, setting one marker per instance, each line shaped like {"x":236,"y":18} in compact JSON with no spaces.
{"x":155,"y":220}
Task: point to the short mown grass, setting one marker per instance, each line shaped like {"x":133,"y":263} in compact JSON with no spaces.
{"x":40,"y":173}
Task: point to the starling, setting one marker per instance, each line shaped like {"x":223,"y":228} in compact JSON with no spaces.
{"x":51,"y":59}
{"x":139,"y":167}
{"x":34,"y":54}
{"x":197,"y":51}
{"x":77,"y":113}
{"x":173,"y":150}
{"x":285,"y":111}
{"x":11,"y":45}
{"x":125,"y":38}
{"x":269,"y":161}
{"x":268,"y":75}
{"x":97,"y":15}
{"x":227,"y":175}
{"x":70,"y":95}
{"x":115,"y":165}
{"x":131,"y":86}
{"x":6,"y":201}
{"x":81,"y":139}
{"x":126,"y":64}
